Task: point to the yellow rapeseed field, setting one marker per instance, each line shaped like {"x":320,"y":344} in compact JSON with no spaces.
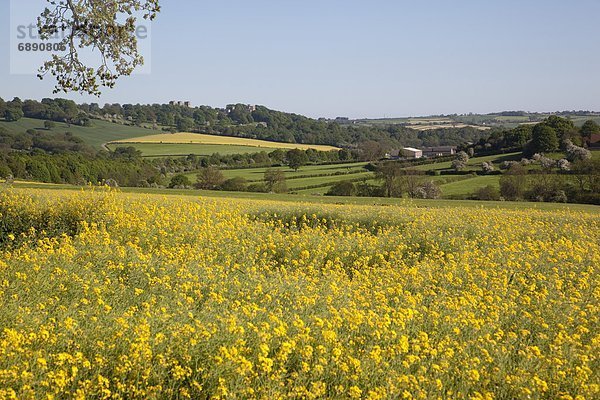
{"x":198,"y":138}
{"x":105,"y":295}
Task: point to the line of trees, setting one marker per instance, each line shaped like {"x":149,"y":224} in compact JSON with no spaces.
{"x":78,"y":169}
{"x":59,"y":110}
{"x":581,"y":184}
{"x":555,"y":181}
{"x":211,"y":178}
{"x":241,"y":121}
{"x":548,"y":136}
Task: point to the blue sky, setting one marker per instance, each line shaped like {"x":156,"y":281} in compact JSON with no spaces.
{"x":360,"y":58}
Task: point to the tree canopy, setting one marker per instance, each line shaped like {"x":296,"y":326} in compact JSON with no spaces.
{"x":544,"y":139}
{"x":105,"y":27}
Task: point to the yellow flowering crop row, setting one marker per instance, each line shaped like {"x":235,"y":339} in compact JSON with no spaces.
{"x":114,"y":296}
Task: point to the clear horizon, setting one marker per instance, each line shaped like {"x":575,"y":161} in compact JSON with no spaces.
{"x":351,"y":59}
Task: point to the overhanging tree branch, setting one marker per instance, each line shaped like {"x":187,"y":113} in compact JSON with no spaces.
{"x":107,"y":28}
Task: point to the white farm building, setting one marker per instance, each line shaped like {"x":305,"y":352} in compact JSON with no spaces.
{"x":411,"y":152}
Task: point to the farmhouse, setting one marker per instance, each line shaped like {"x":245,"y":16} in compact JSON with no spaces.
{"x":411,"y":152}
{"x":594,"y":141}
{"x":439,"y":151}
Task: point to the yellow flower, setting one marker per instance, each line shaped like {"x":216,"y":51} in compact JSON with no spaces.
{"x":354,"y":392}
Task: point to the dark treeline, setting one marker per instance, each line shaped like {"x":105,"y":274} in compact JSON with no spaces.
{"x":551,"y":135}
{"x":77,"y":169}
{"x":59,"y":110}
{"x":257,"y":122}
{"x":43,"y":140}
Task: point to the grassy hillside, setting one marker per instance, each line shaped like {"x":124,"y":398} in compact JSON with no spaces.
{"x":468,"y":186}
{"x":155,"y":143}
{"x":101,"y":131}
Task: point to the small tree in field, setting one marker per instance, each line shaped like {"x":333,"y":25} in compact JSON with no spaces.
{"x":391,"y":174}
{"x":237,"y":184}
{"x":12,"y":114}
{"x":275,"y":181}
{"x":544,"y":139}
{"x":426,"y":190}
{"x":488,"y":192}
{"x":576,"y":153}
{"x":180,"y":181}
{"x":487,"y":167}
{"x":49,"y":125}
{"x":513,"y":183}
{"x":460,"y":162}
{"x":209,"y":178}
{"x":462,"y":156}
{"x":458,"y":165}
{"x":343,"y":188}
{"x":564,"y":165}
{"x":588,"y":129}
{"x":296,"y":158}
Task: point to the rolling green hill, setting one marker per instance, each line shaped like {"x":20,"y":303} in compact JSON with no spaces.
{"x":99,"y":133}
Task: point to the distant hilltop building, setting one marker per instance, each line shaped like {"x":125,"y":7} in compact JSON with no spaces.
{"x":231,"y":107}
{"x":181,"y":103}
{"x":343,"y":120}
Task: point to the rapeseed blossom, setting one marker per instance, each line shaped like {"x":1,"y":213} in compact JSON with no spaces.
{"x":109,"y":295}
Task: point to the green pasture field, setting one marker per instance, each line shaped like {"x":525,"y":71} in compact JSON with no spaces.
{"x":474,"y":163}
{"x":301,"y":183}
{"x":257,"y":174}
{"x":468,"y":186}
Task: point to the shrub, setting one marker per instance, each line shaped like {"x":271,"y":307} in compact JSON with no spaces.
{"x":507,"y":164}
{"x":513,"y":183}
{"x":542,"y":192}
{"x":576,"y":153}
{"x":209,"y":178}
{"x":489,"y":193}
{"x":180,"y":181}
{"x":237,"y":184}
{"x":458,"y":165}
{"x":275,"y":181}
{"x":259,"y":187}
{"x":564,"y":165}
{"x":525,"y":161}
{"x":487,"y":167}
{"x":547,"y":163}
{"x":428,"y":190}
{"x":343,"y":188}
